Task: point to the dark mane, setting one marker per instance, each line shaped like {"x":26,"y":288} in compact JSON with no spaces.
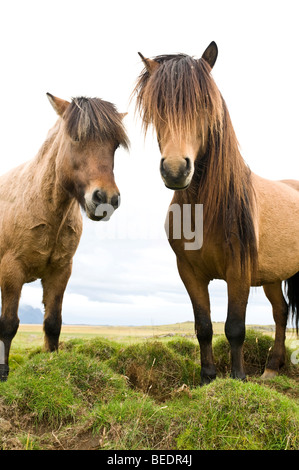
{"x":94,"y":119}
{"x":182,"y":94}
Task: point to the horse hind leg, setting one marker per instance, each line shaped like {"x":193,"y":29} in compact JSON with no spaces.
{"x":235,"y":324}
{"x":280,"y":314}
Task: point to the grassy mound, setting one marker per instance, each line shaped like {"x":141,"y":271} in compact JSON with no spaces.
{"x":225,"y":415}
{"x":97,"y":394}
{"x":155,"y":368}
{"x":54,"y":386}
{"x":229,"y":414}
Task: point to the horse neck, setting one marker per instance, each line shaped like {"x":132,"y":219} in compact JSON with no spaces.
{"x":48,"y":185}
{"x":221,"y":181}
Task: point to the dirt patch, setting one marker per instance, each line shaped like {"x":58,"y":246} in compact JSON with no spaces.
{"x":19,"y":432}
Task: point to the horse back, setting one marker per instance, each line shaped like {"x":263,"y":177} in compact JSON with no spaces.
{"x":292,"y":183}
{"x":277,"y":222}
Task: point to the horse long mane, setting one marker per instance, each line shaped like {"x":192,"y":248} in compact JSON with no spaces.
{"x":182,"y":95}
{"x":88,"y":119}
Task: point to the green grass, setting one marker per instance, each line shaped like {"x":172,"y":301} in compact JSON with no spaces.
{"x":102,"y":394}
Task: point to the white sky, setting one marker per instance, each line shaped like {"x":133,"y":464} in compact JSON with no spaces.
{"x":124,"y":271}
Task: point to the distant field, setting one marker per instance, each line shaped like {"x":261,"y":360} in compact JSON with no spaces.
{"x":32,"y":335}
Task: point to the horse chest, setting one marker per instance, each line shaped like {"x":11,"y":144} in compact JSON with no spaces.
{"x":45,"y":245}
{"x":207,"y":262}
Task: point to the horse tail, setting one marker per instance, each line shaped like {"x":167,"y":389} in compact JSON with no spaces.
{"x":292,"y":293}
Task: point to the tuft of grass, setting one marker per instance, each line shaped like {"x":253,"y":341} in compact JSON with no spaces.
{"x":137,"y":422}
{"x":100,"y":348}
{"x":281,"y":383}
{"x":185,"y":347}
{"x":16,"y":360}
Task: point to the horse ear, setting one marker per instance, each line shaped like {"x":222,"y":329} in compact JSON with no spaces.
{"x":150,"y":64}
{"x":210,"y":54}
{"x":58,"y":104}
{"x":122,"y":115}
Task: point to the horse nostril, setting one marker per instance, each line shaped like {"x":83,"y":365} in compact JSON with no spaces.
{"x":188,"y":166}
{"x":115,"y":201}
{"x":162,"y":169}
{"x":99,"y":197}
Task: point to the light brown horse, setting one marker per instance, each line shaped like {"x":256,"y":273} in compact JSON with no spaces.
{"x":250,"y":224}
{"x":40,"y":218}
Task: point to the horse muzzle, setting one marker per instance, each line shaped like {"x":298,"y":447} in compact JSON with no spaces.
{"x":100,"y":206}
{"x":177,"y":175}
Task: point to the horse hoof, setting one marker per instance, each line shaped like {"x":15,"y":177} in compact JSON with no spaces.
{"x":206,"y":380}
{"x":4,"y":370}
{"x":238,"y":376}
{"x":269,"y":374}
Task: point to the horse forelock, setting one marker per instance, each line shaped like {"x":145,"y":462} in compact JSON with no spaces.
{"x":93,"y":119}
{"x":180,"y":93}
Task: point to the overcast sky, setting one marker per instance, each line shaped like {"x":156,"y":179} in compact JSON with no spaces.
{"x":124,"y":271}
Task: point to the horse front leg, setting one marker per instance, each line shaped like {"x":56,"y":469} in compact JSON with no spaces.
{"x":54,"y":283}
{"x":204,"y":333}
{"x":11,"y":286}
{"x":199,"y":295}
{"x":238,"y":292}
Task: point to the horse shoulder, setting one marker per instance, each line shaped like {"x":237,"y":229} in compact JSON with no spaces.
{"x":67,"y":237}
{"x":73,"y":223}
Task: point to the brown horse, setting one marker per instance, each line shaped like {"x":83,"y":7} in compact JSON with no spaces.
{"x":40,"y":218}
{"x":250,"y":224}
